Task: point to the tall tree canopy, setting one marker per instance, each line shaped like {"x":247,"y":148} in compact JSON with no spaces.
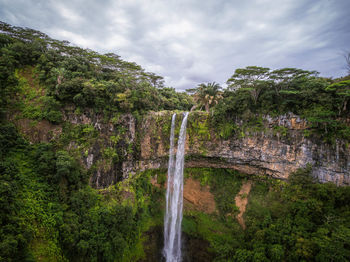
{"x":206,"y":95}
{"x":283,"y":78}
{"x":251,"y":78}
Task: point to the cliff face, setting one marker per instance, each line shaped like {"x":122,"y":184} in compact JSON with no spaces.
{"x":122,"y":146}
{"x":103,"y":154}
{"x":278,"y":147}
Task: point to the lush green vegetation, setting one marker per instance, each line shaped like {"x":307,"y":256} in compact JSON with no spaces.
{"x":50,"y":213}
{"x":80,"y":77}
{"x":298,"y":220}
{"x":48,"y":210}
{"x":254,"y":91}
{"x":206,"y":95}
{"x":219,"y":229}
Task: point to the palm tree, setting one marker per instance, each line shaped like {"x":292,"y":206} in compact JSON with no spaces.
{"x":206,"y":95}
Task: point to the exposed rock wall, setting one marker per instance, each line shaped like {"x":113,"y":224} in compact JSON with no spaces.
{"x":118,"y":136}
{"x":278,"y":148}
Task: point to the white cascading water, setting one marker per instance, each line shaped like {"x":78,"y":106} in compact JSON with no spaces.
{"x":174,"y":195}
{"x":171,"y":168}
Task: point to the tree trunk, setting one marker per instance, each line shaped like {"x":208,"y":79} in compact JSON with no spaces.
{"x":207,"y":107}
{"x":345,"y":104}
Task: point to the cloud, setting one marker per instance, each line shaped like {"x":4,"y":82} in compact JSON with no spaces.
{"x":193,"y":41}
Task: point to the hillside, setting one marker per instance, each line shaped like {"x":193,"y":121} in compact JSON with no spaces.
{"x":84,"y":141}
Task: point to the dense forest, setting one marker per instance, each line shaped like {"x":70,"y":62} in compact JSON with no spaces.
{"x":50,"y":212}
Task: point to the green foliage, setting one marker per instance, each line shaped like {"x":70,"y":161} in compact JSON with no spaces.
{"x":281,"y":130}
{"x":294,"y":221}
{"x":48,"y":212}
{"x":227,"y":129}
{"x":251,"y":79}
{"x":341,"y":91}
{"x":198,"y":127}
{"x":302,"y":177}
{"x":52,"y":111}
{"x":68,"y":170}
{"x":206,"y":95}
{"x":83,"y":134}
{"x":94,"y":231}
{"x":82,"y":77}
{"x":110,"y":153}
{"x":9,"y":138}
{"x":8,"y":81}
{"x":109,"y":228}
{"x":30,"y":212}
{"x":224,"y":184}
{"x":297,"y":220}
{"x":257,"y":91}
{"x":220,"y":230}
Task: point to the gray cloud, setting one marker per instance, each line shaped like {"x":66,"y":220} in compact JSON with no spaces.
{"x":190,"y":42}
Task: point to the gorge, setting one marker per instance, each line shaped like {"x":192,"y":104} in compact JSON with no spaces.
{"x":88,"y":170}
{"x":276,"y":147}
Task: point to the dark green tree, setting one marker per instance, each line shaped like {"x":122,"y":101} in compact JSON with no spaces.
{"x":252,"y":79}
{"x":342,"y":91}
{"x":283,"y":78}
{"x":206,"y":95}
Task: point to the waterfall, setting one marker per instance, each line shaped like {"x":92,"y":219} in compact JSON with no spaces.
{"x":174,"y":195}
{"x":171,"y":168}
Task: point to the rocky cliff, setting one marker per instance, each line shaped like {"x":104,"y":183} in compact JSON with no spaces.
{"x":276,"y":147}
{"x":114,"y":148}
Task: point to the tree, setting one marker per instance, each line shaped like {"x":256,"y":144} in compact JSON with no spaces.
{"x":157,"y":81}
{"x":251,"y":78}
{"x":342,"y":91}
{"x":206,"y":95}
{"x":60,"y":74}
{"x":283,"y":78}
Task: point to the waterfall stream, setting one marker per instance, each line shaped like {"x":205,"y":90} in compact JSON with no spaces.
{"x":174,"y":194}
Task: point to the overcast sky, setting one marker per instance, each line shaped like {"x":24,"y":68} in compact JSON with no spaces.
{"x":194,"y":41}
